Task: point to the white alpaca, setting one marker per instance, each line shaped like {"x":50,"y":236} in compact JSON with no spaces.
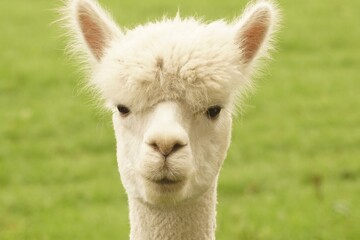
{"x":173,"y":86}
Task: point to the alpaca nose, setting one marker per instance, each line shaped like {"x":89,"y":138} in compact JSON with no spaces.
{"x":167,"y":146}
{"x":166,"y":132}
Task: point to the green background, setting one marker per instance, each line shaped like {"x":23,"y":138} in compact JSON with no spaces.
{"x":293,"y":171}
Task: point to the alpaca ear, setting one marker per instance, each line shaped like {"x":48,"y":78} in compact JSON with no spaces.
{"x":255,"y":29}
{"x":92,"y":27}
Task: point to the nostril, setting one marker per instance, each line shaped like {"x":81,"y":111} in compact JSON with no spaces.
{"x":154,"y":146}
{"x":166,"y":148}
{"x":177,"y":146}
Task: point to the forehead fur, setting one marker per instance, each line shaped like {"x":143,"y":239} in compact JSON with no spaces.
{"x":174,"y":59}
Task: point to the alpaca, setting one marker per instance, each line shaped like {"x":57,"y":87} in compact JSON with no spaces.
{"x":173,"y":86}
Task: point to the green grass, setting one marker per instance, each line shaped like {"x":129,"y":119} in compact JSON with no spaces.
{"x":293,"y":171}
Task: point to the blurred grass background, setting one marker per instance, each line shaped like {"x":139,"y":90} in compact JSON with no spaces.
{"x":293,"y":171}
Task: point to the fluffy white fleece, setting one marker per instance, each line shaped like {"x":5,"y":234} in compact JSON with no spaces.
{"x":169,"y":75}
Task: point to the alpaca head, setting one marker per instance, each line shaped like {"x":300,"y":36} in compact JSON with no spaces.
{"x":172,"y":86}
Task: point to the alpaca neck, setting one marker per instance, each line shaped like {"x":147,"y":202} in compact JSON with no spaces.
{"x":195,"y":220}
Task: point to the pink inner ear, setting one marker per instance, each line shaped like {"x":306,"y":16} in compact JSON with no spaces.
{"x":253,"y":34}
{"x":93,"y":31}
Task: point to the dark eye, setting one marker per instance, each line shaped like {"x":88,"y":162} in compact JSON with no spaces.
{"x":123,"y":110}
{"x":213,"y":112}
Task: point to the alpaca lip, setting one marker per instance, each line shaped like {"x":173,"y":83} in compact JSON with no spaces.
{"x":166,"y":181}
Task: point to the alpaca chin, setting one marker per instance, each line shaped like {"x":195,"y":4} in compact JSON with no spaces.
{"x":164,"y":193}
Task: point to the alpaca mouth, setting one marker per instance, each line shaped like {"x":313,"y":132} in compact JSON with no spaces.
{"x":166,"y":181}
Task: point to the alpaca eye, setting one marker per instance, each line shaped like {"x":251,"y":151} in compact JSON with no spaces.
{"x":213,"y":112}
{"x":123,"y":110}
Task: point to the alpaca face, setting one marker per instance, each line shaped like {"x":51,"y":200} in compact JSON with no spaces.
{"x":172,"y":86}
{"x":163,"y":153}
